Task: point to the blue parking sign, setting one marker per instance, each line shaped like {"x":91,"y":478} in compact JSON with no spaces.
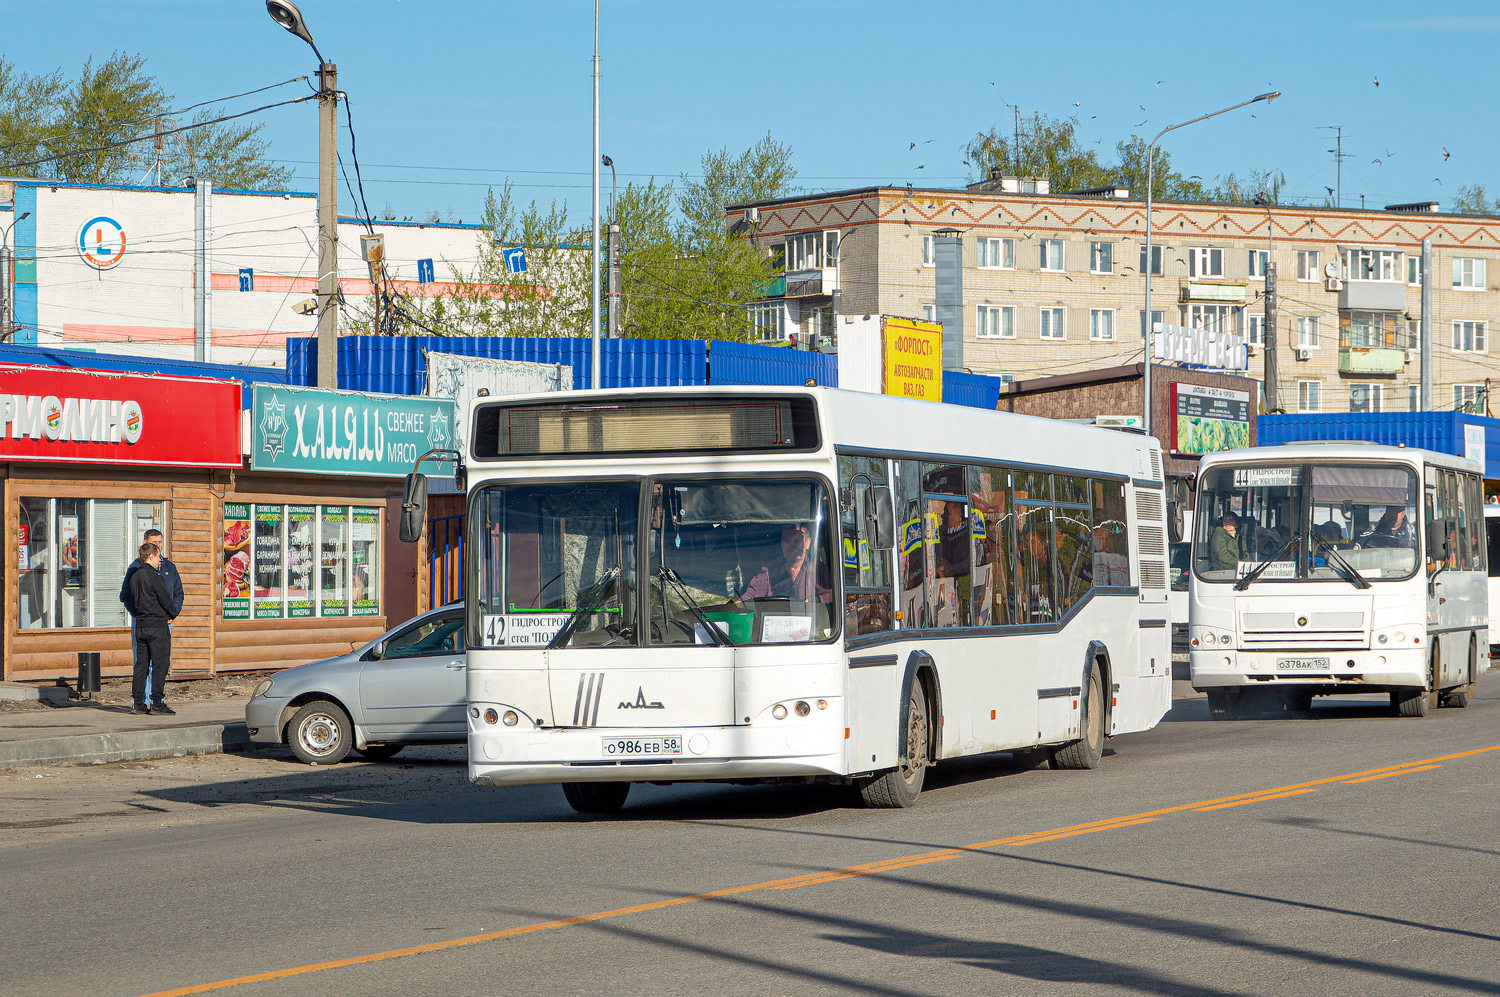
{"x":424,"y":272}
{"x":515,"y":259}
{"x":247,"y":279}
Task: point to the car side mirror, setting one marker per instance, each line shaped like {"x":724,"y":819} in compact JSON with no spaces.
{"x":880,"y":519}
{"x":413,"y":508}
{"x":377,"y":651}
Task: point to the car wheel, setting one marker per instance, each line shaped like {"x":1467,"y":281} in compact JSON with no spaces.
{"x":380,"y":752}
{"x":320,"y":733}
{"x":596,"y":797}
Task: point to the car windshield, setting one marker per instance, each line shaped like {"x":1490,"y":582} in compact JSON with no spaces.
{"x":731,"y":561}
{"x":1306,"y":521}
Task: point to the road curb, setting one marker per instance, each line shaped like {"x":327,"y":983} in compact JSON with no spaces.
{"x":100,"y":749}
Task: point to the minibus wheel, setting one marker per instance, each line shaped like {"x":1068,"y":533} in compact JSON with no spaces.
{"x":1413,"y":702}
{"x":1459,"y":698}
{"x":1223,"y":704}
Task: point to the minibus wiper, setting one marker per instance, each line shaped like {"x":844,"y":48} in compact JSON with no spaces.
{"x":1354,"y":576}
{"x":671,"y":575}
{"x":1256,"y":571}
{"x":587,"y":603}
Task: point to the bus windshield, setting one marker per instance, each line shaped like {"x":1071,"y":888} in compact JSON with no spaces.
{"x":1349,"y":522}
{"x":729,"y":561}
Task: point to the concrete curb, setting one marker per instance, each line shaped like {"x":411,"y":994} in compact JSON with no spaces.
{"x":100,"y":749}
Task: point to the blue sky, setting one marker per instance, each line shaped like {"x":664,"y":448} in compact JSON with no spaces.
{"x":450,"y":96}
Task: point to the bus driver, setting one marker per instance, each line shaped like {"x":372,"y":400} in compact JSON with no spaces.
{"x":791,"y":577}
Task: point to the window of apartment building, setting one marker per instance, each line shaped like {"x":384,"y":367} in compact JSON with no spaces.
{"x":927,"y":313}
{"x":73,"y":556}
{"x":778,"y":256}
{"x":1413,"y":398}
{"x":1307,"y":265}
{"x":1307,"y":395}
{"x":1102,"y":324}
{"x":1257,"y":330}
{"x":1364,"y":397}
{"x":928,"y":258}
{"x":1006,"y":380}
{"x":1215,"y":318}
{"x":831,"y":248}
{"x":1054,"y":324}
{"x":805,"y":251}
{"x":1469,"y":337}
{"x":1204,"y":262}
{"x":1258,"y":260}
{"x":1468,"y":272}
{"x":1156,"y":258}
{"x":1365,"y":329}
{"x":1307,"y":331}
{"x":1156,"y":318}
{"x":1470,"y":398}
{"x":1372,"y":264}
{"x":996,"y":322}
{"x":997,"y":253}
{"x":1051,"y":253}
{"x":768,"y":318}
{"x":1414,"y":270}
{"x":1102,"y":257}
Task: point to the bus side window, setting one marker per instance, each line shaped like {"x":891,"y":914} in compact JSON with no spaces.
{"x":1111,"y":537}
{"x":993,"y":524}
{"x":946,"y":535}
{"x":1074,"y":539}
{"x":867,"y":571}
{"x":1450,"y":518}
{"x":1478,"y":538}
{"x":909,"y":544}
{"x":1461,"y":503}
{"x":1034,"y":547}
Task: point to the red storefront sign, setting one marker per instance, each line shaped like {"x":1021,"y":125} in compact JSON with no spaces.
{"x":104,"y":418}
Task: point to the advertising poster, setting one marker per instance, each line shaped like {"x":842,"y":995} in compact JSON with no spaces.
{"x":1208,"y":419}
{"x":67,"y":540}
{"x":301,"y":521}
{"x":345,"y":432}
{"x":334,"y":561}
{"x":364,"y":549}
{"x":912,"y":359}
{"x":268,"y":562}
{"x":234,"y":561}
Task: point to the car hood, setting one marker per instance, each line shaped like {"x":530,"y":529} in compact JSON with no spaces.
{"x":317,"y":675}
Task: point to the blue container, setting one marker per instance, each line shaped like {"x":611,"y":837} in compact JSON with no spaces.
{"x":1445,"y":432}
{"x":751,"y":363}
{"x":42,"y":356}
{"x":973,"y":390}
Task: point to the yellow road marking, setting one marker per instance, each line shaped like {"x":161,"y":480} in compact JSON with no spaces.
{"x":1266,"y":796}
{"x":1387,"y":775}
{"x":809,"y":879}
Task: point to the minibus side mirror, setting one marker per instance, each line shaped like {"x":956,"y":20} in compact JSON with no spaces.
{"x":880,"y":519}
{"x":1437,"y":542}
{"x":413,"y":508}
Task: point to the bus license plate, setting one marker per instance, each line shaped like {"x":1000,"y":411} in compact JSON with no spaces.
{"x":1302,"y":664}
{"x":637,"y":747}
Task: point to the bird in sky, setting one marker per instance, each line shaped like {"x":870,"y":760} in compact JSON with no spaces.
{"x":1092,"y":116}
{"x":1437,"y":181}
{"x":1389,"y":154}
{"x":922,"y":167}
{"x":1445,"y":153}
{"x":911,"y":147}
{"x":1377,"y":81}
{"x":1158,"y":83}
{"x":1077,"y":103}
{"x":1377,"y":162}
{"x":1141,"y":106}
{"x":1139,"y":123}
{"x":1330,"y":191}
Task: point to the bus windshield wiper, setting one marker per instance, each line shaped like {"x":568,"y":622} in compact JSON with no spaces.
{"x":671,"y":575}
{"x":588,"y":602}
{"x":1260,"y":568}
{"x":1358,"y":580}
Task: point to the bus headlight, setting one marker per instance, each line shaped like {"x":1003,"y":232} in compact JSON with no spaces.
{"x":778,"y":711}
{"x":490,"y":716}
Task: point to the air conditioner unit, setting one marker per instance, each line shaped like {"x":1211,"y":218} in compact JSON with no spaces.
{"x":1303,"y":353}
{"x":1411,"y":355}
{"x":1114,"y":421}
{"x":1333,"y":284}
{"x":752,"y":215}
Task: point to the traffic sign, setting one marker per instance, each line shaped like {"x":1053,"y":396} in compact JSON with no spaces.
{"x":247,"y":279}
{"x":424,"y":272}
{"x":515,"y":259}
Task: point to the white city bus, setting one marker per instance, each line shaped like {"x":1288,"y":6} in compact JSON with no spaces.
{"x":760,"y":584}
{"x":1338,"y":568}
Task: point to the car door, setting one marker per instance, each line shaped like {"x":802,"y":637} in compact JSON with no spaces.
{"x":415,"y":689}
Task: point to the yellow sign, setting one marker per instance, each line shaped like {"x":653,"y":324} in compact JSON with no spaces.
{"x":912,"y":359}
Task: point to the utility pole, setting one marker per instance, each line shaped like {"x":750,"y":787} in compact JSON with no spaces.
{"x":595,"y":366}
{"x":328,"y":221}
{"x":614,"y":280}
{"x":1339,"y":155}
{"x":1424,"y":328}
{"x":202,"y":272}
{"x":1273,"y":399}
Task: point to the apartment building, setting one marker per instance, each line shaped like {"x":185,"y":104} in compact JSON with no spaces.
{"x":1053,"y":283}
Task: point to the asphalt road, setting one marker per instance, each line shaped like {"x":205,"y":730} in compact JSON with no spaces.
{"x":1348,"y":852}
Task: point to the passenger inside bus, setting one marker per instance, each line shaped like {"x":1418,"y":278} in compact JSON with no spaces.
{"x":1224,"y":547}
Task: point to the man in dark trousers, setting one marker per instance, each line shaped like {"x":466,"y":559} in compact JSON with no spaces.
{"x":154,"y":610}
{"x":169,"y":575}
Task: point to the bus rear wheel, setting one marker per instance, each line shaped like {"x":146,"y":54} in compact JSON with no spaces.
{"x":596,"y":797}
{"x":900,"y":786}
{"x":1085,"y":752}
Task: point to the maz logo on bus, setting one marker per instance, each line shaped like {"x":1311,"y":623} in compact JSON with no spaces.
{"x":640,"y":702}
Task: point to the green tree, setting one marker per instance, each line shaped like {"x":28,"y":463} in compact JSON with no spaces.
{"x":81,"y":130}
{"x":1044,"y":146}
{"x":1474,"y":200}
{"x":762,"y":172}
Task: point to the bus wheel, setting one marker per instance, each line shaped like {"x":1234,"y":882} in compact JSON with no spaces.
{"x":1413,"y":702}
{"x":1459,"y":698}
{"x":1222,"y":704}
{"x":1298,"y":700}
{"x":898,"y":787}
{"x":596,"y":797}
{"x":1085,"y":752}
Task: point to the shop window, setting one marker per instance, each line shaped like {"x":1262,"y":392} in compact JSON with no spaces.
{"x":299,"y":561}
{"x":73,"y":555}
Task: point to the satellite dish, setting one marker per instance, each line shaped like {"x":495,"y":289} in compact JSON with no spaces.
{"x":1331,"y":269}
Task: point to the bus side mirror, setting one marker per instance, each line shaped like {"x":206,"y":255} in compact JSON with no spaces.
{"x":414,"y":508}
{"x":880,"y":519}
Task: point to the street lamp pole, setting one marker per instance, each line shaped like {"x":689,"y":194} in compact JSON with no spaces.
{"x":594,"y":365}
{"x":7,"y":281}
{"x":1150,"y":180}
{"x":286,"y":14}
{"x":1271,"y":372}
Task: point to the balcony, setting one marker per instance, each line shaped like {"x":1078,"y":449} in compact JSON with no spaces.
{"x":1372,"y":295}
{"x":1212,"y":290}
{"x":816,"y":282}
{"x":1374,"y":342}
{"x":1371,"y":360}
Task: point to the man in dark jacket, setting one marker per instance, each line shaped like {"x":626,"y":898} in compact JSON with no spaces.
{"x":154,"y":610}
{"x":169,"y":575}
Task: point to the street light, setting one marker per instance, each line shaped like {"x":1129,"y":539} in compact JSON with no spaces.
{"x":1271,"y":371}
{"x":286,"y":14}
{"x":1150,"y":178}
{"x":6,"y":283}
{"x":612,"y":247}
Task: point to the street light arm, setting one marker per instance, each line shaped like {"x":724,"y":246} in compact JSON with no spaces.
{"x":1211,"y":114}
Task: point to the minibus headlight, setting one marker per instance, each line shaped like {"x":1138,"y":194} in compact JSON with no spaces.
{"x":1208,"y":637}
{"x":510,"y":719}
{"x":1224,"y":639}
{"x":1382,"y":638}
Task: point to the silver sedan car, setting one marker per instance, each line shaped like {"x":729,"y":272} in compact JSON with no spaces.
{"x":404,"y":687}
